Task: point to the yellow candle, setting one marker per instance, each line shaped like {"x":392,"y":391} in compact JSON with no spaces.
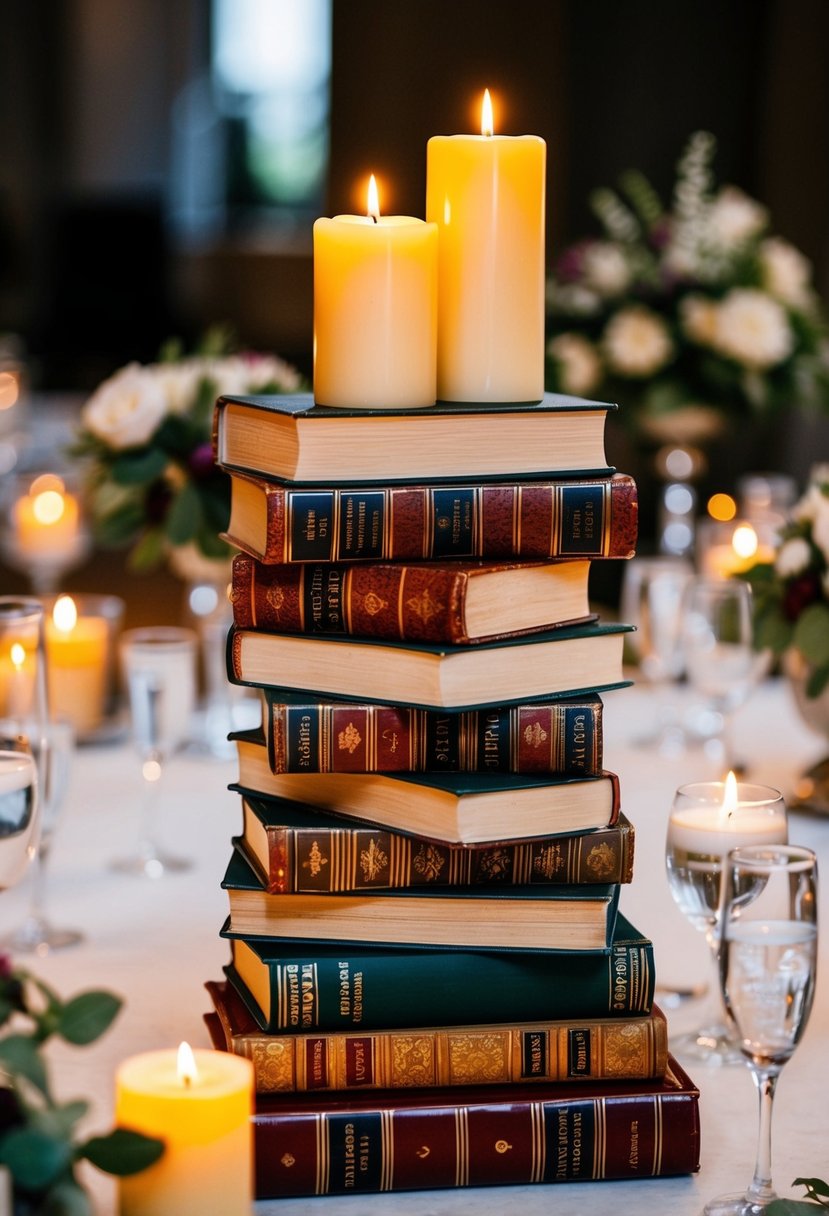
{"x":46,"y":521}
{"x":18,"y":665}
{"x":486,"y":194}
{"x":204,"y":1117}
{"x":375,"y":310}
{"x":76,"y":648}
{"x":729,"y":548}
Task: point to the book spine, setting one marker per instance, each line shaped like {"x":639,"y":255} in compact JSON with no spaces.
{"x":326,"y":860}
{"x":502,"y":1143}
{"x":393,"y":991}
{"x":587,"y":519}
{"x":349,"y":738}
{"x":421,"y":604}
{"x":491,"y":1055}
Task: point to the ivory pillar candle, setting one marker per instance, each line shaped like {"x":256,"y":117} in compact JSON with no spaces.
{"x":375,"y":311}
{"x":486,"y":194}
{"x":77,"y":652}
{"x":203,"y":1115}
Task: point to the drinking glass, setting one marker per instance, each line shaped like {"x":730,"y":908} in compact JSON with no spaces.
{"x":707,"y":820}
{"x":767,"y":967}
{"x":159,"y":665}
{"x":18,"y":813}
{"x":652,"y":597}
{"x":720,"y":661}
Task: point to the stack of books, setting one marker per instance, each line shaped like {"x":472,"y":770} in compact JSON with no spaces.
{"x":428,"y":967}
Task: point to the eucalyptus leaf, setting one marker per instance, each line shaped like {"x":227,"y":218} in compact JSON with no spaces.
{"x":811,"y":634}
{"x":184,"y":516}
{"x":122,"y":1152}
{"x":138,"y":468}
{"x":59,"y":1120}
{"x":815,"y":1186}
{"x":149,"y":550}
{"x":66,"y":1198}
{"x":34,"y":1158}
{"x":85,"y":1018}
{"x":19,"y":1056}
{"x":818,"y":680}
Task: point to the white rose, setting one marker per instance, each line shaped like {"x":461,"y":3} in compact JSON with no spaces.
{"x":127,"y":409}
{"x":698,"y":315}
{"x":636,"y":342}
{"x":808,"y":506}
{"x":572,"y":298}
{"x":793,"y":558}
{"x":786,"y":272}
{"x":733,"y":217}
{"x":579,"y":365}
{"x":820,"y":524}
{"x":178,"y":383}
{"x":270,"y":369}
{"x":605,"y":269}
{"x":752,"y":328}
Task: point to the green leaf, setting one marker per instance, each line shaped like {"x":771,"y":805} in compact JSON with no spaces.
{"x":59,"y":1121}
{"x":66,"y":1198}
{"x":149,"y":550}
{"x":122,"y":1152}
{"x":815,"y":1186}
{"x":137,"y":468}
{"x":817,"y":681}
{"x":118,"y":528}
{"x":790,"y":1207}
{"x":811,"y":634}
{"x":34,"y":1158}
{"x":184,"y":516}
{"x":19,"y":1056}
{"x":772,"y":632}
{"x":85,"y":1018}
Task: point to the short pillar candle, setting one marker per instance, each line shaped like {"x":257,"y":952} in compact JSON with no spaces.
{"x":203,"y":1114}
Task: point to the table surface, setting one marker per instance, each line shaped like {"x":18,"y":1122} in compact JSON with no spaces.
{"x":156,"y":943}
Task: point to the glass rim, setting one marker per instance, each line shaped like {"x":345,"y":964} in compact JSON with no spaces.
{"x":693,"y":790}
{"x":765,"y":858}
{"x":155,"y":637}
{"x":18,"y":609}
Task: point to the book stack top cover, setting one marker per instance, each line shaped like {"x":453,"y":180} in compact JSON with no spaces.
{"x":428,"y":966}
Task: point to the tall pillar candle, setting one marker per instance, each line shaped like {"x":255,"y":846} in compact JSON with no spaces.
{"x":375,"y":311}
{"x":486,"y":194}
{"x":204,"y":1117}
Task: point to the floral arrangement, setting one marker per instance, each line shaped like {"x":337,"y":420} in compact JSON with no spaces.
{"x":689,"y":314}
{"x":39,"y":1142}
{"x":791,"y":594}
{"x":146,"y":441}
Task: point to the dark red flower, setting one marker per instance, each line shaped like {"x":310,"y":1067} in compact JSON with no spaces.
{"x":200,"y":461}
{"x":800,"y":593}
{"x":157,"y":501}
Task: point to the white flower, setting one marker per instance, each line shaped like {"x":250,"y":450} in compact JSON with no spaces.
{"x":808,"y":507}
{"x":733,"y":218}
{"x":786,"y":272}
{"x":820,"y":524}
{"x":178,"y":382}
{"x":579,"y":365}
{"x":698,"y":315}
{"x":127,"y":408}
{"x":636,"y":342}
{"x":606,"y":269}
{"x":752,"y":328}
{"x":572,"y":299}
{"x":793,"y":558}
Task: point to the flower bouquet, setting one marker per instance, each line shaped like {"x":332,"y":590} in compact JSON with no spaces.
{"x":145,"y":439}
{"x":691,"y":314}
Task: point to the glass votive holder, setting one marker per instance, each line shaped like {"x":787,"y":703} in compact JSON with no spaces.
{"x":725,"y":548}
{"x":82,"y":632}
{"x":45,"y":532}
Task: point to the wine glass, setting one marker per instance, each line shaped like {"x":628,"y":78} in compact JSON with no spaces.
{"x":652,"y":597}
{"x":720,"y":661}
{"x":707,"y":820}
{"x":18,"y":812}
{"x":159,"y":665}
{"x":767,"y":968}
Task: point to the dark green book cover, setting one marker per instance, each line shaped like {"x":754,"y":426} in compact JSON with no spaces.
{"x":303,"y":405}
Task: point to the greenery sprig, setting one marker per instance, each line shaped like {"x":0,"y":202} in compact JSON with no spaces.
{"x":817,"y":1195}
{"x":40,"y":1143}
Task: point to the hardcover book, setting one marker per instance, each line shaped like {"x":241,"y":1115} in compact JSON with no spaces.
{"x":304,"y":736}
{"x":458,"y":808}
{"x":294,"y":849}
{"x":288,"y":436}
{"x":455,"y":602}
{"x":578,"y":917}
{"x":299,"y":987}
{"x":562,"y":661}
{"x":278,"y":522}
{"x":587,"y":1049}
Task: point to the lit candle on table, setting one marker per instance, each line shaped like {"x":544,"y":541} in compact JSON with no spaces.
{"x":46,"y":520}
{"x":200,"y":1103}
{"x":76,"y":648}
{"x":17,"y":681}
{"x":716,"y":816}
{"x":375,"y":310}
{"x":486,"y":194}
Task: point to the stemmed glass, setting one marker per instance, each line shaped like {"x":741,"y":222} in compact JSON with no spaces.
{"x":720,"y":661}
{"x":159,"y":665}
{"x":18,"y":812}
{"x":652,"y":596}
{"x":767,"y":968}
{"x":707,"y":820}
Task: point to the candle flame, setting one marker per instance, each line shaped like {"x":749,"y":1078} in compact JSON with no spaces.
{"x":373,"y":209}
{"x":186,"y":1065}
{"x":65,"y":614}
{"x":744,"y":541}
{"x":487,"y":125}
{"x":729,"y":798}
{"x":18,"y":656}
{"x":48,"y":507}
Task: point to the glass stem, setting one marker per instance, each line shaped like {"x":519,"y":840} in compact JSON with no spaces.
{"x":761,"y":1190}
{"x":152,"y":771}
{"x":37,"y":911}
{"x":712,"y":1020}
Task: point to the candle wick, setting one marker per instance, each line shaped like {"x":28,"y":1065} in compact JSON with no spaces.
{"x":188,"y":1080}
{"x":374,"y":219}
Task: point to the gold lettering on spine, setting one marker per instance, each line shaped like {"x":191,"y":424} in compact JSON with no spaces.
{"x":606,"y":508}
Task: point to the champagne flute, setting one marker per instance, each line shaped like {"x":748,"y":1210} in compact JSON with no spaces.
{"x":159,"y":666}
{"x":767,"y":969}
{"x":720,"y":661}
{"x":707,"y":820}
{"x":18,"y":813}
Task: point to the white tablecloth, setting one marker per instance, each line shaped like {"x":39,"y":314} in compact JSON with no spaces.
{"x":157,"y":942}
